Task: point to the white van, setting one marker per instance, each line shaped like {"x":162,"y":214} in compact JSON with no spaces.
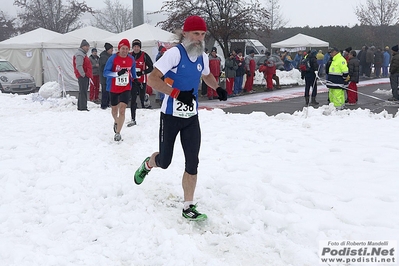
{"x":246,"y":45}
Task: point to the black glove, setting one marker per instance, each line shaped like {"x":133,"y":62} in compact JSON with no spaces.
{"x":139,"y":73}
{"x":122,"y":71}
{"x":222,"y":94}
{"x":186,"y":97}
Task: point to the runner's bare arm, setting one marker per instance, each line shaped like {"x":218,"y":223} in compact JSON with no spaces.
{"x":210,"y":81}
{"x":156,"y":82}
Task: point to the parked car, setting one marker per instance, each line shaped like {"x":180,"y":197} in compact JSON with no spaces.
{"x":276,"y":58}
{"x":13,"y":81}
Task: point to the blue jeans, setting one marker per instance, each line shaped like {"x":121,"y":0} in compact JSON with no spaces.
{"x":238,"y":84}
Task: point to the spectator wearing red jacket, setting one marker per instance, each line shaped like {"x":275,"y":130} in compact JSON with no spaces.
{"x":269,"y":71}
{"x":214,"y":66}
{"x":230,"y":68}
{"x":83,"y":72}
{"x":250,"y":66}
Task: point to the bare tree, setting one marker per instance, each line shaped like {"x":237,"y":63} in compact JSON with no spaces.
{"x":7,"y":26}
{"x":226,"y":19}
{"x":378,"y":13}
{"x":276,"y":20}
{"x":114,"y":17}
{"x":51,"y":14}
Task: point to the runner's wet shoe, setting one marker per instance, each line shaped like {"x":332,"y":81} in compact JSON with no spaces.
{"x":141,"y":172}
{"x":131,"y":123}
{"x":192,"y":214}
{"x":117,"y":137}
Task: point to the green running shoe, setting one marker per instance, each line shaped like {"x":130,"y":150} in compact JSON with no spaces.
{"x":141,"y":172}
{"x":192,"y":214}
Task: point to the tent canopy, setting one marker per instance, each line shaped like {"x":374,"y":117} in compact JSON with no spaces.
{"x":300,"y":40}
{"x":73,"y":39}
{"x":147,"y":34}
{"x":31,"y":39}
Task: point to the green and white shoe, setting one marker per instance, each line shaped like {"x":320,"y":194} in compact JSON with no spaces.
{"x":192,"y":214}
{"x":141,"y":172}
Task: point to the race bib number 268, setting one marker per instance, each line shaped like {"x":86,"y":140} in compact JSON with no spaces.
{"x":184,"y":111}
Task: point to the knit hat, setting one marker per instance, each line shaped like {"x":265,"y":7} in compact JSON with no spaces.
{"x":136,"y":42}
{"x":214,"y":49}
{"x":108,"y":46}
{"x":93,"y":50}
{"x":193,"y":23}
{"x":348,"y":49}
{"x":395,"y":48}
{"x":124,"y":42}
{"x":84,"y":43}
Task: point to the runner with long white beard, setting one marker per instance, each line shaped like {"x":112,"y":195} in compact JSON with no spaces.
{"x":182,"y":67}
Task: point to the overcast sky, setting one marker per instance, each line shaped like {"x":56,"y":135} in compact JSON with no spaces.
{"x":313,"y":13}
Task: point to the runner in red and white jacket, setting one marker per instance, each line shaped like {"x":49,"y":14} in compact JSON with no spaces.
{"x":144,"y":66}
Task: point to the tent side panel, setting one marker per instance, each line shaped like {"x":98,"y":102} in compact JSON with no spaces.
{"x":57,"y":63}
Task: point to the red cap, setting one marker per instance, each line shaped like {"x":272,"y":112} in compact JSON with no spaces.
{"x":124,"y":42}
{"x":194,"y":23}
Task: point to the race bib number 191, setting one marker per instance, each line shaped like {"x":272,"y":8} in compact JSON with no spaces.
{"x":182,"y":110}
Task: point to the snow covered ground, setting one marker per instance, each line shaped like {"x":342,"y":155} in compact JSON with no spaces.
{"x":272,"y":186}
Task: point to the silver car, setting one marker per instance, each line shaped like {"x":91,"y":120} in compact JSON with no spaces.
{"x":11,"y":80}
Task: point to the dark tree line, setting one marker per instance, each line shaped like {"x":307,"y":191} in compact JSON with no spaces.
{"x":341,"y":36}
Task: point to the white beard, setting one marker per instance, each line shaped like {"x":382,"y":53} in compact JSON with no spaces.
{"x":194,"y":49}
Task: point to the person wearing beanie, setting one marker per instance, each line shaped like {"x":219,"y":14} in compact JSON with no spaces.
{"x":84,"y":43}
{"x":394,"y":73}
{"x":120,"y":71}
{"x":337,"y":70}
{"x":310,"y":75}
{"x":83,"y":72}
{"x":250,"y":67}
{"x":346,"y":53}
{"x":144,"y":66}
{"x":182,"y":66}
{"x":105,"y":100}
{"x":353,"y":77}
{"x":386,"y":58}
{"x":95,"y":83}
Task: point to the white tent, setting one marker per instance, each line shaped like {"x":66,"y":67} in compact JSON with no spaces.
{"x":149,"y":36}
{"x":58,"y":54}
{"x":25,"y":51}
{"x":300,"y":40}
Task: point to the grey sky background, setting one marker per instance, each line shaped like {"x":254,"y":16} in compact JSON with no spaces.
{"x":312,"y":13}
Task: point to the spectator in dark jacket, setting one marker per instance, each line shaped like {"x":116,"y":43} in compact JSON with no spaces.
{"x":378,"y":58}
{"x":362,"y":60}
{"x":95,"y":83}
{"x":353,"y":77}
{"x":239,"y":73}
{"x":103,"y":60}
{"x":310,"y":77}
{"x":369,"y":61}
{"x":394,"y":73}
